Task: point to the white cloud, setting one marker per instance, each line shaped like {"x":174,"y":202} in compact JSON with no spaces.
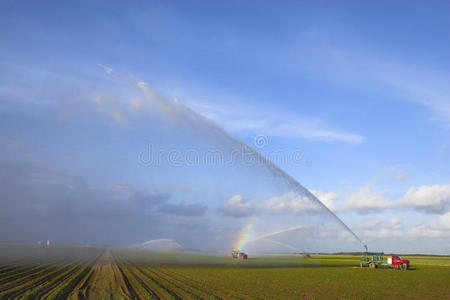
{"x":439,"y":227}
{"x":108,"y":70}
{"x":395,"y":223}
{"x":433,"y":199}
{"x":327,"y":199}
{"x":428,"y":198}
{"x":367,"y":201}
{"x":290,"y":203}
{"x":397,"y":233}
{"x":377,"y":229}
{"x":237,"y":206}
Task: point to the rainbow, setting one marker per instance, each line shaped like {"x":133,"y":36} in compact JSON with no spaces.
{"x":243,"y":235}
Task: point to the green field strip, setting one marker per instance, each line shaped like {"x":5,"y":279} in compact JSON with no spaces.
{"x":224,"y":290}
{"x":68,"y":286}
{"x":195,"y":290}
{"x":80,"y":288}
{"x":137,"y":284}
{"x":37,"y":270}
{"x":223,"y":287}
{"x":23,"y":287}
{"x":40,"y":290}
{"x":25,"y":273}
{"x":119,"y":274}
{"x":8,"y":275}
{"x":81,"y":291}
{"x":222,"y":293}
{"x":5,"y":268}
{"x":23,"y":282}
{"x":18,"y":289}
{"x":19,"y":278}
{"x":158,"y":291}
{"x":176,"y":289}
{"x":151,"y":286}
{"x":12,"y":270}
{"x":163,"y":291}
{"x":20,"y":267}
{"x":167,"y":289}
{"x":153,"y":275}
{"x":138,"y":287}
{"x":103,"y":281}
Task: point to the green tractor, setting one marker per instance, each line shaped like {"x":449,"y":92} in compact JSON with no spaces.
{"x":372,"y":260}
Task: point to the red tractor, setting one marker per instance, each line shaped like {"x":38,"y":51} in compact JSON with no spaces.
{"x":397,"y":262}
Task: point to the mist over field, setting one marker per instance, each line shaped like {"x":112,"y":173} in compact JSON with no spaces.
{"x":225,"y":192}
{"x":272,"y":128}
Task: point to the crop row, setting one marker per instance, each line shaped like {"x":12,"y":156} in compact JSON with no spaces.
{"x":121,"y":274}
{"x":163,"y":283}
{"x":50,"y":280}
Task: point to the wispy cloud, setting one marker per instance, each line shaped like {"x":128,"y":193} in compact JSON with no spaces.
{"x":240,"y":118}
{"x":274,"y":123}
{"x":401,"y":79}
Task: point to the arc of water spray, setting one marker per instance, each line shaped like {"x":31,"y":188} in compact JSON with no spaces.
{"x":278,"y":172}
{"x":269,"y":235}
{"x":282,"y":244}
{"x":192,"y":115}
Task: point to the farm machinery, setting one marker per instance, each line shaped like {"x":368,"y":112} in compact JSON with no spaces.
{"x":375,"y":260}
{"x":238,"y":254}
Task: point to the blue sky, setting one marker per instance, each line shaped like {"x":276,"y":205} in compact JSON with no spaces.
{"x":360,"y":89}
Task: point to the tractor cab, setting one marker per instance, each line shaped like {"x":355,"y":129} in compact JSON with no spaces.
{"x":398,"y":263}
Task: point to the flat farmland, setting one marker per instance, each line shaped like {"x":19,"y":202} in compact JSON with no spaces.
{"x":68,"y":272}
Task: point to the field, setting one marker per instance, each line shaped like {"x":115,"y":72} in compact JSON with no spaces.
{"x":61,"y":272}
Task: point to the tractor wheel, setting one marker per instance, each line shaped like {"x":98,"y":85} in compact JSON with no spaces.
{"x":403,"y":267}
{"x":372,"y":265}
